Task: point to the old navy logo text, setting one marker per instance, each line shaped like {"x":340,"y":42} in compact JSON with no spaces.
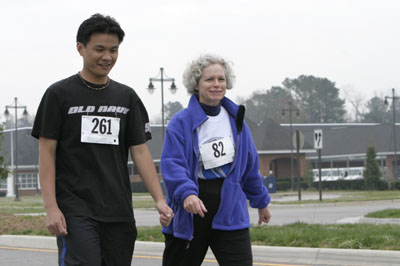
{"x":100,"y":109}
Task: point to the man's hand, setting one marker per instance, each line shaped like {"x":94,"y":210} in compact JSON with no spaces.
{"x":141,"y":156}
{"x":166,"y":213}
{"x":55,"y":222}
{"x":194,"y":205}
{"x":263,"y":215}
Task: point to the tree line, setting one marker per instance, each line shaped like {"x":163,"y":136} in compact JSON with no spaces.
{"x":309,"y":99}
{"x":313,"y":100}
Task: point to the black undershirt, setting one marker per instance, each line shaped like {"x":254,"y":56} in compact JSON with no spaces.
{"x":211,"y":110}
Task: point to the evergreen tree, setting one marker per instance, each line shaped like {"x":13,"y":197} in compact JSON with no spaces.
{"x":172,"y":108}
{"x":3,"y":166}
{"x":318,"y":98}
{"x":309,"y":175}
{"x":372,"y":173}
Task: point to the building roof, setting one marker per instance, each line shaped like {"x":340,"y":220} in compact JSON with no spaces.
{"x":270,"y":137}
{"x":344,"y":140}
{"x":339,"y":140}
{"x":156,"y":142}
{"x":28,"y":147}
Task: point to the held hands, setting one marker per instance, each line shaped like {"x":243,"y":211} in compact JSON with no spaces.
{"x":263,"y":215}
{"x":166,"y":213}
{"x":55,"y":222}
{"x":193,"y":204}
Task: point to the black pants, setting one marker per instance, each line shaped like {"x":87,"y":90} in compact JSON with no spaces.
{"x":231,"y":248}
{"x":94,"y":243}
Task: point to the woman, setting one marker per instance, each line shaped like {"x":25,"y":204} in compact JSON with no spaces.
{"x":210,"y":166}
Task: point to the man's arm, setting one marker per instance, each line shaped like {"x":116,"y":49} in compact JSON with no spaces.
{"x":55,"y":220}
{"x":144,"y":163}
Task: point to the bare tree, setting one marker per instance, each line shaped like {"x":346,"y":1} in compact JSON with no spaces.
{"x":356,"y":100}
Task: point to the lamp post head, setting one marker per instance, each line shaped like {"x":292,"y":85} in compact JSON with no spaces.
{"x":151,"y":87}
{"x":173,"y":87}
{"x":386,"y":101}
{"x":25,"y":113}
{"x":6,"y":113}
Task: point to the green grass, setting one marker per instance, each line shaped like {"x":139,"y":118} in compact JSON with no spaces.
{"x":349,"y":236}
{"x":388,"y":213}
{"x":30,"y":204}
{"x":143,"y":204}
{"x":150,"y":233}
{"x":34,"y":204}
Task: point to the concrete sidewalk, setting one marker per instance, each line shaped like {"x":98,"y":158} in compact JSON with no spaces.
{"x":311,"y":256}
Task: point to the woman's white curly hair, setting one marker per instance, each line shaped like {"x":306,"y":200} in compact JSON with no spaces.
{"x":194,"y":70}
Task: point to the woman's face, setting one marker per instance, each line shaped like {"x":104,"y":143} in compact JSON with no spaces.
{"x":212,"y":85}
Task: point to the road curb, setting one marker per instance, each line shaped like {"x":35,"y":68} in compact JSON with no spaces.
{"x":260,"y":253}
{"x":326,"y":256}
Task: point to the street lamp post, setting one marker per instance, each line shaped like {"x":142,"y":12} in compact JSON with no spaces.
{"x":290,"y":110}
{"x":394,"y":98}
{"x":16,"y":106}
{"x":161,"y":77}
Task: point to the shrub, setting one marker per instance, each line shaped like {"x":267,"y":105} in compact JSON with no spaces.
{"x":372,"y":173}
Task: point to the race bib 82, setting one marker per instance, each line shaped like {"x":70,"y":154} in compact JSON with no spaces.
{"x":217,"y":153}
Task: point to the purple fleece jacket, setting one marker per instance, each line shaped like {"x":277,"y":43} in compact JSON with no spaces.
{"x":179,"y":163}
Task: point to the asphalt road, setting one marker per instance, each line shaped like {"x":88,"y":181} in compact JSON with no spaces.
{"x":47,"y":258}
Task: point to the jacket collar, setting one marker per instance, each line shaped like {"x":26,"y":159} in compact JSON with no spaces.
{"x":199,"y":116}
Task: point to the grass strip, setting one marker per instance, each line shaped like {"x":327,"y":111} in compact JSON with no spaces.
{"x":34,"y":204}
{"x":349,"y":236}
{"x":388,"y":213}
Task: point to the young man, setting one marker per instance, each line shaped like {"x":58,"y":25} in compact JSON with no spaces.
{"x":86,"y":125}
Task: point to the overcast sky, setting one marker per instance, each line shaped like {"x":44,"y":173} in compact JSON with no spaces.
{"x":354,"y":43}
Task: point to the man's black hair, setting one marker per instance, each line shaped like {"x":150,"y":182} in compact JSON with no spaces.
{"x":98,"y":23}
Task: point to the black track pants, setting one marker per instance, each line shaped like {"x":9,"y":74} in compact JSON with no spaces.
{"x":231,"y":248}
{"x":94,"y":243}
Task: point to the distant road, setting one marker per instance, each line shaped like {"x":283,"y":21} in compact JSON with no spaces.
{"x":321,"y":213}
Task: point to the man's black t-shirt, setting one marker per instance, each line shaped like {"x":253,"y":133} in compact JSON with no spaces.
{"x":94,"y":130}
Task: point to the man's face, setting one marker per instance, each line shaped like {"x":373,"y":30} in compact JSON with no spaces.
{"x":99,"y":56}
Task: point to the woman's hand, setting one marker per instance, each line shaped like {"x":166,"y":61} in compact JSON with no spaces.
{"x":194,"y":205}
{"x":263,"y":216}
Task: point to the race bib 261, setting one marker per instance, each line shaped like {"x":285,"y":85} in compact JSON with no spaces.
{"x":100,"y":130}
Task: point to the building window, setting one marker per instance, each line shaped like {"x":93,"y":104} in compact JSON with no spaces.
{"x":3,"y":184}
{"x":28,"y":180}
